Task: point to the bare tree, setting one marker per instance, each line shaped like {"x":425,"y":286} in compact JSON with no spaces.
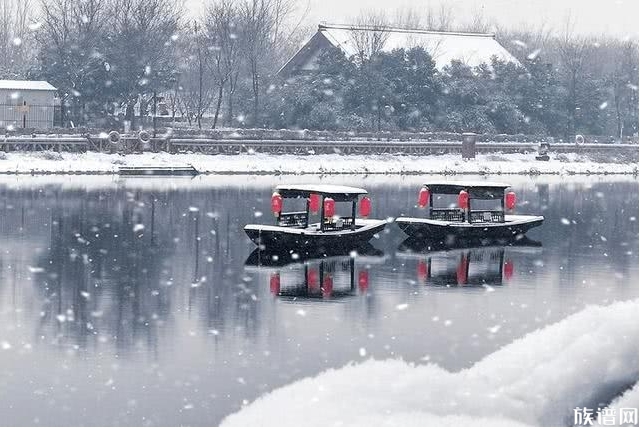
{"x":288,"y":28}
{"x":371,"y":34}
{"x":623,"y":79}
{"x":526,"y":42}
{"x":408,"y":18}
{"x":195,"y":91}
{"x":141,"y":48}
{"x":222,"y":23}
{"x":573,"y":52}
{"x":15,"y":37}
{"x":445,"y":17}
{"x":257,"y":23}
{"x":479,"y":22}
{"x":71,"y":54}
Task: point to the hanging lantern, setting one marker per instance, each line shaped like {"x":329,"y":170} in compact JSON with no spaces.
{"x":508,"y":269}
{"x":363,"y":280}
{"x":276,"y":204}
{"x":511,"y":200}
{"x":329,"y":207}
{"x":274,"y":283}
{"x":461,"y":272}
{"x":365,"y":207}
{"x":327,"y":286}
{"x":463,"y":199}
{"x":423,"y":197}
{"x":314,"y":203}
{"x":312,"y":279}
{"x":423,"y":270}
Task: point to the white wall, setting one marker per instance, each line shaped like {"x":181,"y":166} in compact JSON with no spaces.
{"x":39,"y":111}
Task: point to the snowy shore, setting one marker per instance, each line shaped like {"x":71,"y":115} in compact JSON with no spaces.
{"x":483,"y":164}
{"x":591,"y":357}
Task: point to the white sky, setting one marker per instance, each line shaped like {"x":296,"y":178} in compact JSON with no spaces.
{"x":613,"y":17}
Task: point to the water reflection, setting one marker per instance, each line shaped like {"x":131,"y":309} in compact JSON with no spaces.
{"x":465,"y":263}
{"x":309,"y":276}
{"x":134,"y":302}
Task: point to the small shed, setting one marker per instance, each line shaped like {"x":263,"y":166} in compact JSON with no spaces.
{"x":27,"y":104}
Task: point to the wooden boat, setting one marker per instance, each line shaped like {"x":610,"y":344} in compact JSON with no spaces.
{"x":295,"y":231}
{"x":329,"y":276}
{"x":467,"y":220}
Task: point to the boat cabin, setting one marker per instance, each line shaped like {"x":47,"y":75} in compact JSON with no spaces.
{"x":320,"y":199}
{"x":467,"y":194}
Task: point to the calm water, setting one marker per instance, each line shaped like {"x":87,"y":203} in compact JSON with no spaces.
{"x":129,"y":301}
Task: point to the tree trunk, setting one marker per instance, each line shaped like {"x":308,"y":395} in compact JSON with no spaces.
{"x":233,"y":80}
{"x":218,"y":105}
{"x":129,"y":113}
{"x":256,"y":88}
{"x":616,"y":100}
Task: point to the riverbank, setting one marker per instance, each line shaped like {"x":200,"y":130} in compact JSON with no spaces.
{"x":258,"y":163}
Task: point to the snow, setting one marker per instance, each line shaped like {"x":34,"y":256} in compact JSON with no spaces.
{"x":588,"y":358}
{"x":483,"y":164}
{"x":27,"y":85}
{"x":477,"y":183}
{"x":628,"y":400}
{"x":327,"y":189}
{"x":471,"y":48}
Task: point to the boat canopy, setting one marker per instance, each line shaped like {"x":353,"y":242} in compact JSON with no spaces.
{"x":338,"y":193}
{"x":476,"y":189}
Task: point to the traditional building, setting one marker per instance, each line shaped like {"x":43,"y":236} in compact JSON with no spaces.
{"x":444,"y":46}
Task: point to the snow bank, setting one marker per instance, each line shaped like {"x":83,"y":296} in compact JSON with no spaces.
{"x":585,"y":359}
{"x":629,"y":400}
{"x":102,"y":163}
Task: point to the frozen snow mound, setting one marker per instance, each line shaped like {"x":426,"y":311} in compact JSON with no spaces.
{"x":588,"y":358}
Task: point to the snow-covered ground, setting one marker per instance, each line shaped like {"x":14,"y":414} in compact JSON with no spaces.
{"x":591,"y":357}
{"x":101,"y":163}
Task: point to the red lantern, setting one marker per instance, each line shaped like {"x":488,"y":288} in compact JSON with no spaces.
{"x":461,"y":272}
{"x":463,"y":199}
{"x":274,"y":283}
{"x":511,"y":200}
{"x":423,"y":197}
{"x":327,"y":286}
{"x":508,"y":269}
{"x":312,"y":279}
{"x":314,"y":202}
{"x":363,"y":280}
{"x":329,"y":207}
{"x":276,"y":203}
{"x":365,"y":207}
{"x":423,"y":270}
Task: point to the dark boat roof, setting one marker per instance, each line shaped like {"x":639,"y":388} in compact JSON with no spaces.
{"x":334,"y":191}
{"x":475,"y":188}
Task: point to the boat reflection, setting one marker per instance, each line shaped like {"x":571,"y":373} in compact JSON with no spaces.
{"x":315,"y":276}
{"x":464,"y":263}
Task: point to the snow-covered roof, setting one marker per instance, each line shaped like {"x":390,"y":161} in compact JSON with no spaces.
{"x":27,"y":85}
{"x":476,"y":189}
{"x":323,"y":189}
{"x":468,"y":184}
{"x":444,"y":46}
{"x":471,"y":49}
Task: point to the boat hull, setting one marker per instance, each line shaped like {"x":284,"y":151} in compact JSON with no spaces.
{"x":513,"y":226}
{"x":276,"y":237}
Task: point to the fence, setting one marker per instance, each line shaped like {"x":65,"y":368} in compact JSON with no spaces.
{"x":32,"y":116}
{"x":133,"y":144}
